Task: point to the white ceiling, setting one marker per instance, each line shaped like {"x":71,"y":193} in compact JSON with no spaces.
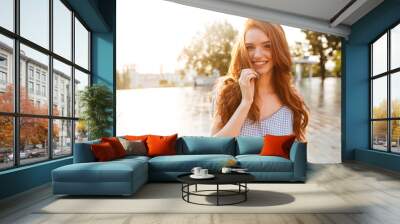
{"x":316,"y":15}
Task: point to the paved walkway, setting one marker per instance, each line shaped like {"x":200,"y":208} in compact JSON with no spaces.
{"x":324,"y":129}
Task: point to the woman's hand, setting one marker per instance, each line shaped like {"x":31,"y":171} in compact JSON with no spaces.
{"x":247,"y":83}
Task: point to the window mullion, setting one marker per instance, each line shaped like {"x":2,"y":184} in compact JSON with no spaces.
{"x":73,"y":83}
{"x":50,"y":81}
{"x":16,"y":84}
{"x":389,"y":106}
{"x":371,"y":145}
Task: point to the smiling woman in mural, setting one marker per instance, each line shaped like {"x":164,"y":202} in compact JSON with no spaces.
{"x":257,"y":97}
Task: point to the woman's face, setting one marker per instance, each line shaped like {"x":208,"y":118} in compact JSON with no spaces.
{"x":258,"y":46}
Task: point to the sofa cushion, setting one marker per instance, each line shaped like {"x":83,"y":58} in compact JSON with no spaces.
{"x":131,"y":158}
{"x":249,"y":145}
{"x":195,"y":145}
{"x":185,"y":163}
{"x":103,"y":151}
{"x":277,"y":145}
{"x":83,"y":152}
{"x":161,"y":145}
{"x":111,"y":171}
{"x":257,"y":163}
{"x":116,"y":145}
{"x":134,"y":147}
{"x":136,"y":137}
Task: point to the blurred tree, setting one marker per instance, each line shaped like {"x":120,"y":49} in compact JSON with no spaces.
{"x":380,"y":111}
{"x":380,"y":127}
{"x":337,"y":59}
{"x":123,"y":79}
{"x":210,"y":50}
{"x":6,"y":132}
{"x":327,"y":47}
{"x":297,"y":50}
{"x":81,"y":129}
{"x":34,"y":130}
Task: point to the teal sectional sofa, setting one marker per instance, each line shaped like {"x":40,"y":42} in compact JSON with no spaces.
{"x":125,"y":176}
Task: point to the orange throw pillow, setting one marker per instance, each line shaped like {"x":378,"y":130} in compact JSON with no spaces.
{"x":136,"y":138}
{"x":277,"y":145}
{"x":103,"y":151}
{"x":116,"y":145}
{"x":161,"y":145}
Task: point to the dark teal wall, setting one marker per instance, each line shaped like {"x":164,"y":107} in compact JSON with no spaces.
{"x":24,"y":178}
{"x":103,"y":63}
{"x":99,"y":16}
{"x":356,"y":103}
{"x":104,"y":52}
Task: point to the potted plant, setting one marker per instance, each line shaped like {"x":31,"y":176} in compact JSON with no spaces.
{"x":96,"y":102}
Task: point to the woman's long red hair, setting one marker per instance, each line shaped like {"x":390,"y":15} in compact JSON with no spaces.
{"x":229,"y":96}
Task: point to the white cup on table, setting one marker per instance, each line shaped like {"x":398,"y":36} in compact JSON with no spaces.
{"x":203,"y":172}
{"x":196,"y":170}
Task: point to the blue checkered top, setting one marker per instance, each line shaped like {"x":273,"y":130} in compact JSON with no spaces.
{"x":279,"y":123}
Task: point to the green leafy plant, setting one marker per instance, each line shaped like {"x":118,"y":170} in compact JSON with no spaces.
{"x":96,"y":103}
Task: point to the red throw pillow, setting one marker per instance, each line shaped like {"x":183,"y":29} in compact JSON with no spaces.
{"x":116,"y":145}
{"x":161,"y":145}
{"x":103,"y":151}
{"x":277,"y":145}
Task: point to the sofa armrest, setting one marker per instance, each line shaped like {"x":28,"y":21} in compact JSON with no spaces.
{"x":83,"y":153}
{"x":298,"y":155}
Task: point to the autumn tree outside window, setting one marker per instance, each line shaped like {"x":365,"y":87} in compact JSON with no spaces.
{"x":39,"y":90}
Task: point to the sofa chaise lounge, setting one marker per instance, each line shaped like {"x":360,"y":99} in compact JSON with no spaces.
{"x":126,"y":175}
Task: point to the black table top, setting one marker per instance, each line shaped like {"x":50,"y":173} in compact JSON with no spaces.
{"x":220,"y":178}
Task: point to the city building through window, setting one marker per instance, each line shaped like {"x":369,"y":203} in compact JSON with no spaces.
{"x":41,"y":83}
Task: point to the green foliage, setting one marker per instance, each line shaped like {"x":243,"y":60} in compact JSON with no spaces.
{"x":210,"y":50}
{"x":326,"y":47}
{"x":97,"y":104}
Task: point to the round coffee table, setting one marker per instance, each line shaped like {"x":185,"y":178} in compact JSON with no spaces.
{"x":238,"y":179}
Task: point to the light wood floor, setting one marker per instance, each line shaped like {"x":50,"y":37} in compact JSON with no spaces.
{"x":378,"y":188}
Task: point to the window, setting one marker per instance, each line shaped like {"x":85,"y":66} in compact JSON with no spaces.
{"x":3,"y":78}
{"x":3,"y":61}
{"x":43,"y":90}
{"x":7,"y":14}
{"x":37,"y":75}
{"x":30,"y":72}
{"x":35,"y":21}
{"x":7,"y":142}
{"x":30,"y":87}
{"x":33,"y":149}
{"x":62,"y":74}
{"x":62,"y":140}
{"x":6,"y":73}
{"x":385,"y":94}
{"x":81,"y":45}
{"x":37,"y":89}
{"x":62,"y":29}
{"x":55,"y":127}
{"x":81,"y":81}
{"x":3,"y":72}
